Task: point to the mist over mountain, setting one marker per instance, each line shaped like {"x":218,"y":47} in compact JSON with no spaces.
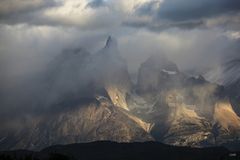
{"x":84,"y":97}
{"x":130,"y":73}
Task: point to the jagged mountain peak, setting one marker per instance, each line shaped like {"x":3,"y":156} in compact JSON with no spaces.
{"x":110,"y":53}
{"x":70,"y":56}
{"x":113,"y":71}
{"x":111,"y":43}
{"x":110,"y":40}
{"x":156,"y":73}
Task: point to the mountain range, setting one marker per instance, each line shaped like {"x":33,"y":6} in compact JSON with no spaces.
{"x":90,"y":97}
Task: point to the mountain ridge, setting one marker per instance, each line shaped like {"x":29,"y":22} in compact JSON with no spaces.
{"x":93,"y":98}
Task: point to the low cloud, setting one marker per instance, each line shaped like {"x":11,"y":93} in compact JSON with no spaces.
{"x":182,"y":10}
{"x":154,"y":15}
{"x":159,"y":27}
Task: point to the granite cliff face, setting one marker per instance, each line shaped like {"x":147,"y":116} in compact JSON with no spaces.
{"x":155,"y":74}
{"x":227,"y":75}
{"x":184,"y":110}
{"x":115,"y":78}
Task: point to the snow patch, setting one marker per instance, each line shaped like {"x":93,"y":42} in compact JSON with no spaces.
{"x":169,"y":72}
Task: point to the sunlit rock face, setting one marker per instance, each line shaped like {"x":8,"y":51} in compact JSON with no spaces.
{"x":144,"y":125}
{"x":227,"y":75}
{"x":227,"y":123}
{"x":234,"y":92}
{"x":181,"y":109}
{"x":186,"y":127}
{"x":226,"y":117}
{"x":96,"y":120}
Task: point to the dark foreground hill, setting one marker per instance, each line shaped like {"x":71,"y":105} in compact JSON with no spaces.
{"x":107,"y":150}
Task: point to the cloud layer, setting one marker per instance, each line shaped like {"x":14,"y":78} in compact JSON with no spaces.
{"x":155,"y":15}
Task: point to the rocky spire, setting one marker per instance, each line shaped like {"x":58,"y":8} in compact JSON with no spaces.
{"x":111,"y":43}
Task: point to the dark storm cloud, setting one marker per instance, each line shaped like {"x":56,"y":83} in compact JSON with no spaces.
{"x":11,"y":8}
{"x":28,"y":11}
{"x":182,"y":10}
{"x":84,"y":14}
{"x":147,"y":8}
{"x":184,"y":14}
{"x":161,"y":27}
